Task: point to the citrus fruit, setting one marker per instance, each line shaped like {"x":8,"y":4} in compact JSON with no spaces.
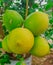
{"x":12,"y":19}
{"x":37,"y":22}
{"x":20,"y":40}
{"x":41,"y":47}
{"x":5,"y":45}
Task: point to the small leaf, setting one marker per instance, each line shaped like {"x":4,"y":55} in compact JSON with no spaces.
{"x":40,"y":9}
{"x":19,"y":56}
{"x":51,"y":45}
{"x":0,"y":44}
{"x":21,"y":63}
{"x":51,"y":21}
{"x":48,"y":6}
{"x":18,"y":63}
{"x":31,"y":10}
{"x":35,"y":5}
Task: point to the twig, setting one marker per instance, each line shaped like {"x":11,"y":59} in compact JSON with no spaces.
{"x":26,"y":8}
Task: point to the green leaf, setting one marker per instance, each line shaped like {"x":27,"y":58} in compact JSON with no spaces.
{"x":51,"y":21}
{"x":40,"y":9}
{"x":49,"y":6}
{"x":2,"y":63}
{"x":0,"y":44}
{"x":19,"y":56}
{"x":7,"y":3}
{"x":52,"y":14}
{"x":21,"y":63}
{"x":35,"y":5}
{"x":1,"y":2}
{"x":18,"y":63}
{"x":0,"y":51}
{"x":51,"y":45}
{"x":5,"y":59}
{"x":31,"y":10}
{"x":50,"y":1}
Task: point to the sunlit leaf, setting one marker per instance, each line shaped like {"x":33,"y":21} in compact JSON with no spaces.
{"x":49,"y":6}
{"x":35,"y":5}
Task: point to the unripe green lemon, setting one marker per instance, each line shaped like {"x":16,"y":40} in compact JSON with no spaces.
{"x":12,"y":19}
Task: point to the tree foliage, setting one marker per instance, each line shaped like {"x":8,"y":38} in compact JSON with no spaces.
{"x":33,"y":5}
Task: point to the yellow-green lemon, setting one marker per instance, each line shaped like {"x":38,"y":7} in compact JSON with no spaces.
{"x":41,"y":47}
{"x":37,"y":22}
{"x":20,"y":40}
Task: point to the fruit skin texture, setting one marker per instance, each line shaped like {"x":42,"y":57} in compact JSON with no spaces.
{"x":41,"y":47}
{"x":5,"y":45}
{"x":12,"y":19}
{"x":20,"y":40}
{"x":37,"y":22}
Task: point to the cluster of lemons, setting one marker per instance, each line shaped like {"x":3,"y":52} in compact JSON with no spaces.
{"x":24,"y":35}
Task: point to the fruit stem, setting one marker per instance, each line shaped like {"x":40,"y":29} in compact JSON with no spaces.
{"x":26,"y":8}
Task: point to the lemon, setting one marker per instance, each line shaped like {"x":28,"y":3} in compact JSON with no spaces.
{"x":5,"y":45}
{"x":37,"y":22}
{"x":12,"y":19}
{"x":41,"y":47}
{"x":20,"y":40}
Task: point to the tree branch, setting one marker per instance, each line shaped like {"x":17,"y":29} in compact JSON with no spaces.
{"x":1,"y":29}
